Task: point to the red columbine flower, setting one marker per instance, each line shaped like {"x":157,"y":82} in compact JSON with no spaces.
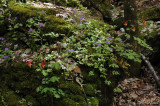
{"x":144,"y":21}
{"x":134,"y":28}
{"x":44,"y":60}
{"x":126,"y":23}
{"x":42,"y":64}
{"x":29,"y":63}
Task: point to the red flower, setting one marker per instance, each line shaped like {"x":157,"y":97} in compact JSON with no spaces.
{"x":44,"y":60}
{"x":134,"y":28}
{"x":144,"y":21}
{"x":42,"y":64}
{"x":29,"y":63}
{"x":126,"y":23}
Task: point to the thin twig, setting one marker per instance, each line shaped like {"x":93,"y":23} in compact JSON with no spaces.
{"x":151,"y":70}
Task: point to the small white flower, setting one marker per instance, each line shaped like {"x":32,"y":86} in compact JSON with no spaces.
{"x":122,"y":30}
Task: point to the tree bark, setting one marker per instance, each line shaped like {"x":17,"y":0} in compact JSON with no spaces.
{"x":103,"y":6}
{"x":130,"y":15}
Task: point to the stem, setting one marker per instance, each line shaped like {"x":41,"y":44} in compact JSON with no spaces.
{"x":151,"y":70}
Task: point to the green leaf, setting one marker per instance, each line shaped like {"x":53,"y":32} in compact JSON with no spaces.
{"x":57,"y":96}
{"x":56,"y":65}
{"x":45,"y":90}
{"x":91,"y":73}
{"x":117,"y":90}
{"x":38,"y":69}
{"x":49,"y":70}
{"x":44,"y":72}
{"x":115,"y":73}
{"x":108,"y":82}
{"x":38,"y":89}
{"x":54,"y":79}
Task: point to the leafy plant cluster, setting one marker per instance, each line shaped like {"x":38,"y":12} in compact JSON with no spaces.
{"x":46,"y":90}
{"x":50,"y":81}
{"x":30,"y":33}
{"x":6,"y":50}
{"x":148,"y":30}
{"x":96,"y":45}
{"x":32,"y":36}
{"x":91,"y":43}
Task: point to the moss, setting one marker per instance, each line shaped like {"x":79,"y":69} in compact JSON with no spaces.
{"x":78,"y":98}
{"x":9,"y":97}
{"x":71,"y":87}
{"x":25,"y":11}
{"x":90,"y":89}
{"x":68,"y":102}
{"x":21,"y":78}
{"x":72,"y":100}
{"x":106,"y":6}
{"x":93,"y":101}
{"x":151,"y":13}
{"x":56,"y":24}
{"x":31,"y":100}
{"x":53,"y":23}
{"x":100,"y":24}
{"x":69,"y":3}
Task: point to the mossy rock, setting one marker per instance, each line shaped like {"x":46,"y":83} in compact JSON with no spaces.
{"x":53,"y":23}
{"x":68,"y":3}
{"x":90,"y":89}
{"x":68,"y":102}
{"x":71,"y":87}
{"x":73,"y":100}
{"x":20,"y":77}
{"x":31,"y":100}
{"x":9,"y":97}
{"x":24,"y":10}
{"x":150,"y":14}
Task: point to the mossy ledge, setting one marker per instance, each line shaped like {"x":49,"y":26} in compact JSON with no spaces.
{"x":53,"y":23}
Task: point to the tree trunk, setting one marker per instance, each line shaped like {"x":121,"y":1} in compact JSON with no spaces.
{"x":130,"y":15}
{"x":103,"y":6}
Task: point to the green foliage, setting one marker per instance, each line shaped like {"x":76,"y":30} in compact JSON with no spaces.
{"x":93,"y":45}
{"x":93,"y":101}
{"x":24,"y":22}
{"x":50,"y":90}
{"x":56,"y":65}
{"x":6,"y":50}
{"x":130,"y":54}
{"x":49,"y":82}
{"x":148,"y":30}
{"x":142,"y":43}
{"x":117,"y":90}
{"x":90,"y":43}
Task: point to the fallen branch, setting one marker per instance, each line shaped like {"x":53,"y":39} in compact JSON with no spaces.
{"x":151,"y":70}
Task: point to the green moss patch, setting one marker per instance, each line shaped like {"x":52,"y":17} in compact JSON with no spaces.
{"x":151,"y":13}
{"x":53,"y":23}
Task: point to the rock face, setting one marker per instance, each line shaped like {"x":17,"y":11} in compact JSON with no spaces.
{"x":23,"y":80}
